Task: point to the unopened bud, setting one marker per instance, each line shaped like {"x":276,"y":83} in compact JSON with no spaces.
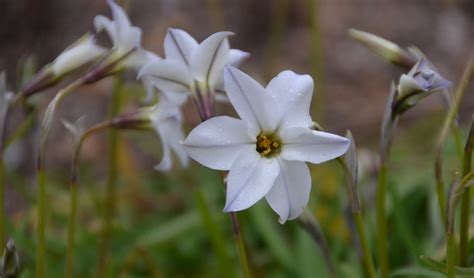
{"x":10,"y":260}
{"x":74,"y":57}
{"x":387,"y":49}
{"x":421,"y":81}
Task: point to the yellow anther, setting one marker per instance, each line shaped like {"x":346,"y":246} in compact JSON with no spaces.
{"x":266,"y":145}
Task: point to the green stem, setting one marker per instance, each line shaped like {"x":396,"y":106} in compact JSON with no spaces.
{"x":367,"y":257}
{"x":466,"y":202}
{"x":448,"y":123}
{"x":367,"y":261}
{"x":71,"y":229}
{"x":451,"y":256}
{"x":41,"y":194}
{"x":111,"y":190}
{"x":213,"y":230}
{"x":2,"y":202}
{"x":381,"y":219}
{"x":41,"y":218}
{"x":239,"y":241}
{"x":21,"y":131}
{"x":73,"y":196}
{"x":316,"y":58}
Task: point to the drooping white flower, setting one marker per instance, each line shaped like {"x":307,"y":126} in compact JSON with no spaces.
{"x":126,"y":38}
{"x":266,"y":149}
{"x":193,"y":68}
{"x":82,"y":52}
{"x":166,"y":119}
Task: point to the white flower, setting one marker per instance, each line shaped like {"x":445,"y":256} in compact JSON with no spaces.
{"x":267,"y":148}
{"x":125,"y":37}
{"x":167,"y":122}
{"x":85,"y":50}
{"x":192,"y":68}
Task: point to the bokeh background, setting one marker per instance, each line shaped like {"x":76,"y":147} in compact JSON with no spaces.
{"x":305,"y":36}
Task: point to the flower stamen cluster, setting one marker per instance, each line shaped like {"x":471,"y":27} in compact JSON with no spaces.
{"x":267,"y":145}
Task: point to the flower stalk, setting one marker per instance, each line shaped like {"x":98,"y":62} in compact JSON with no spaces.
{"x":381,"y":219}
{"x":457,"y":189}
{"x":350,"y":167}
{"x":466,"y":203}
{"x":41,"y":193}
{"x":239,"y":241}
{"x":111,"y":186}
{"x":447,"y":125}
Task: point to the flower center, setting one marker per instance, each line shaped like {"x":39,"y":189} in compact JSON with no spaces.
{"x":268,"y":145}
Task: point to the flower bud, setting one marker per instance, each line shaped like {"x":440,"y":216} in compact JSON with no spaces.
{"x":82,"y":52}
{"x":10,"y":260}
{"x":74,"y":57}
{"x":387,"y":49}
{"x":421,"y":81}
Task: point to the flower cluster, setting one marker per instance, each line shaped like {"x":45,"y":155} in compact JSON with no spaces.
{"x":265,"y":151}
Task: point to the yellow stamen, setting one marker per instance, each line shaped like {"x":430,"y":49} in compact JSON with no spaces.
{"x":267,"y":145}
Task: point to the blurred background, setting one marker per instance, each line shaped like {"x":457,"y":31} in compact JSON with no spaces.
{"x":157,"y":229}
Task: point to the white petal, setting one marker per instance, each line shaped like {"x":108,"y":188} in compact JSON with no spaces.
{"x":292,"y":93}
{"x":290,"y":194}
{"x":312,"y":146}
{"x":168,"y":75}
{"x":250,"y":178}
{"x":166,"y":119}
{"x":177,"y":98}
{"x":120,"y":17}
{"x":250,"y":100}
{"x":236,"y":57}
{"x":216,"y":142}
{"x":210,"y":57}
{"x":408,"y":85}
{"x":129,"y":39}
{"x":139,"y":58}
{"x":179,"y":45}
{"x":101,"y":22}
{"x":149,"y":89}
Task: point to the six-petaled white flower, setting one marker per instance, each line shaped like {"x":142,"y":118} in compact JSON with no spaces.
{"x":192,"y":68}
{"x":126,"y":38}
{"x":266,"y":150}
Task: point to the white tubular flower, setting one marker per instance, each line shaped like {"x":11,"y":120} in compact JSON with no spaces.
{"x":266,"y":149}
{"x":82,"y":52}
{"x":126,"y":38}
{"x":192,"y":68}
{"x":167,"y":122}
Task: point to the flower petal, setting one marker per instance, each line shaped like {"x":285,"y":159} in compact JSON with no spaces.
{"x":210,"y":57}
{"x":290,"y":194}
{"x":120,"y":17}
{"x":250,"y":100}
{"x":216,"y":142}
{"x":101,"y":22}
{"x":293,"y":93}
{"x":179,"y":45}
{"x":236,"y":57}
{"x":166,"y":119}
{"x":168,"y":75}
{"x":250,"y":178}
{"x":312,"y":146}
